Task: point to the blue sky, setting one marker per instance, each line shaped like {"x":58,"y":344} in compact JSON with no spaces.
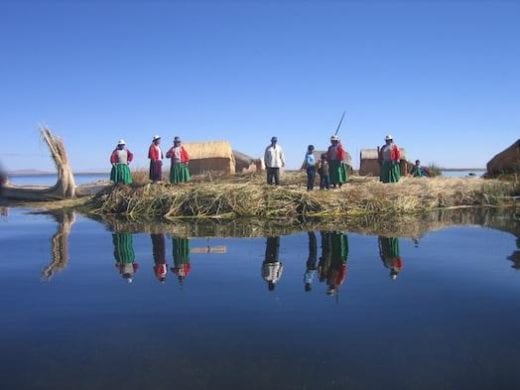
{"x":442,"y":77}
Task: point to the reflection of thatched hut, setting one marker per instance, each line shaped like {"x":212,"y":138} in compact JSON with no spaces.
{"x":211,"y":156}
{"x":369,"y":166}
{"x":507,"y":161}
{"x":245,"y":163}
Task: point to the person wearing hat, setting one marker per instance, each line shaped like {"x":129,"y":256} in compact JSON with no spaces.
{"x":120,"y":158}
{"x":389,"y":157}
{"x":337,"y":156}
{"x":274,"y":159}
{"x":179,"y":171}
{"x":155,"y":155}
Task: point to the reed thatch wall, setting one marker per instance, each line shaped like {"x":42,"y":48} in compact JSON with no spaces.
{"x":211,"y":156}
{"x":369,"y":166}
{"x":507,"y":161}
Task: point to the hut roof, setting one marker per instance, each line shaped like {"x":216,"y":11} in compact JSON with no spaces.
{"x":239,"y":156}
{"x":209,"y":149}
{"x":507,"y":160}
{"x":368,"y":154}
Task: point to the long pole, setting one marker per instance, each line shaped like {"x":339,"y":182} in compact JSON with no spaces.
{"x":340,"y":122}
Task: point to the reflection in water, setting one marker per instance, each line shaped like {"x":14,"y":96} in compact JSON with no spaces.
{"x":311,"y":262}
{"x":4,"y":213}
{"x":389,"y":253}
{"x":272,"y":268}
{"x":60,"y":244}
{"x":515,"y":256}
{"x":124,"y":255}
{"x":333,"y":261}
{"x":181,"y":258}
{"x":159,"y":257}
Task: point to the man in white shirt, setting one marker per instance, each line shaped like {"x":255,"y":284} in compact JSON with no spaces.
{"x":274,"y":159}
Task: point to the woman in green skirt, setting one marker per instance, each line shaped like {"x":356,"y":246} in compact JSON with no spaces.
{"x":389,"y":158}
{"x":179,"y":171}
{"x":120,"y":158}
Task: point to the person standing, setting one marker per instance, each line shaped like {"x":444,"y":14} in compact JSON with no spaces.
{"x":179,"y":171}
{"x":274,"y":159}
{"x":120,"y":158}
{"x":155,"y":155}
{"x":323,"y":170}
{"x":337,"y":157}
{"x":389,"y":157}
{"x":310,"y":167}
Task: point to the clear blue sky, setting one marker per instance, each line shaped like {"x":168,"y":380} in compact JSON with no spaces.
{"x":442,"y":77}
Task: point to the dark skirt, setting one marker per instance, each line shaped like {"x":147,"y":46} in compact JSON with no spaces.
{"x":155,"y":170}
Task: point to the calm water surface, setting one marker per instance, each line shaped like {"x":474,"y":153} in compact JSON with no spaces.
{"x":312,"y":310}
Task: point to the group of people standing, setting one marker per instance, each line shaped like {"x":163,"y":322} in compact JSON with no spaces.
{"x":179,"y":170}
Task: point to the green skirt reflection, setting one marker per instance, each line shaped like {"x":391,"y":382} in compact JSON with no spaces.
{"x":389,"y":253}
{"x":179,"y":173}
{"x":181,"y":257}
{"x":390,"y":172}
{"x":124,"y":255}
{"x":120,"y":173}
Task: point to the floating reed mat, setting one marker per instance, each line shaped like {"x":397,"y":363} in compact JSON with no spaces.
{"x":238,"y":200}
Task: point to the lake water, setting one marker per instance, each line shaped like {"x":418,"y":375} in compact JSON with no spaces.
{"x":311,"y":310}
{"x":50,"y":179}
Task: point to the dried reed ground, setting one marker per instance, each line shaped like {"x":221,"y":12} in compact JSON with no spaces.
{"x":246,"y":196}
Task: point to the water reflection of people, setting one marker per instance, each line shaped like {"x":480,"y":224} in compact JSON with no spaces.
{"x":272,"y":268}
{"x":311,"y":262}
{"x":181,"y":258}
{"x":160,"y":267}
{"x":515,"y":256}
{"x":124,"y":255}
{"x":389,"y":253}
{"x":332,"y":266}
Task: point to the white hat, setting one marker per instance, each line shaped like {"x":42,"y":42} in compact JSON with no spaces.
{"x":388,"y":137}
{"x":334,"y":138}
{"x":121,"y":142}
{"x":156,"y":137}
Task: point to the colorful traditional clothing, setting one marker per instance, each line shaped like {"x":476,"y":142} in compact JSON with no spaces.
{"x":179,"y":171}
{"x":389,"y":158}
{"x":333,"y":263}
{"x":124,"y":255}
{"x":181,"y":258}
{"x":159,"y":257}
{"x":417,"y":171}
{"x":389,"y":253}
{"x":120,"y":173}
{"x":155,"y":155}
{"x":323,"y":171}
{"x":336,"y":157}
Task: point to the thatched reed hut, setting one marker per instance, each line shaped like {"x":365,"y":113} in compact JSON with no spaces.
{"x":507,"y":161}
{"x":211,"y":156}
{"x":245,"y":163}
{"x":369,"y":165}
